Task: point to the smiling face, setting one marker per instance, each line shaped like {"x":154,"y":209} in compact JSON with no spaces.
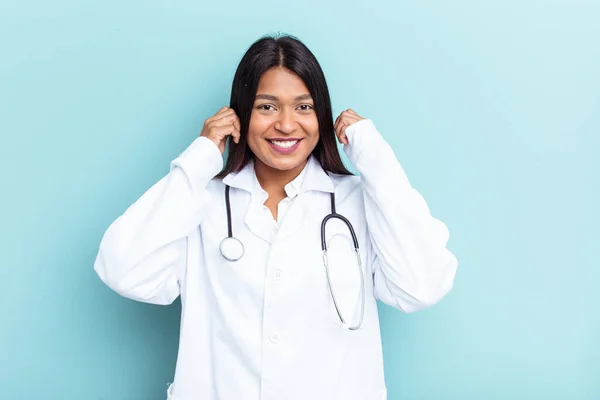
{"x":283,"y":129}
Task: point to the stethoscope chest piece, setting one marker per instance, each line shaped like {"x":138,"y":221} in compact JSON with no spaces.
{"x":232,"y":248}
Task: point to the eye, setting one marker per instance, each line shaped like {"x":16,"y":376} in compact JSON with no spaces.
{"x":266,"y":107}
{"x":306,"y":107}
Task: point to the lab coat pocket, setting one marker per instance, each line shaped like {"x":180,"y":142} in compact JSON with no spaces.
{"x":344,"y":278}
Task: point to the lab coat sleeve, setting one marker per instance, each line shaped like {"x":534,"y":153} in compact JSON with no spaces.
{"x":142,"y":254}
{"x":412,"y":267}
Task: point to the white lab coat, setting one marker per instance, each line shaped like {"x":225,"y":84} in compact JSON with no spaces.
{"x":264,"y":327}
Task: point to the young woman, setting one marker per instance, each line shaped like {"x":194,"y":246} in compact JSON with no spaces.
{"x":267,"y":313}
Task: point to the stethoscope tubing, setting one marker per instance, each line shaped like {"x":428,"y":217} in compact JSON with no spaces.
{"x":332,"y":215}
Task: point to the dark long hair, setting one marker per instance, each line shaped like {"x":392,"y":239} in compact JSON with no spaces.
{"x":288,"y":52}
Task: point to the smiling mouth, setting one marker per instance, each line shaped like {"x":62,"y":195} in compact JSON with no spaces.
{"x":284,"y":144}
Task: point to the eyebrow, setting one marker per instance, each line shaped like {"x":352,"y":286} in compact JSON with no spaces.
{"x":275,"y":98}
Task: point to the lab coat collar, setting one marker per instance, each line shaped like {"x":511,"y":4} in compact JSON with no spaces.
{"x":315,"y":178}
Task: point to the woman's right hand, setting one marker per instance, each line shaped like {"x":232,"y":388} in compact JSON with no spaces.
{"x":224,"y":123}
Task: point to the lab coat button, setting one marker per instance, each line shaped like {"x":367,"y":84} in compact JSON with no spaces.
{"x":274,"y":338}
{"x":277,"y":274}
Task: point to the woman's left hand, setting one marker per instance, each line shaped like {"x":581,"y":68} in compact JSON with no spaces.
{"x":344,"y":120}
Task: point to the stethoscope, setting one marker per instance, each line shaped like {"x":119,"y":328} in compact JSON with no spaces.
{"x":233,"y":249}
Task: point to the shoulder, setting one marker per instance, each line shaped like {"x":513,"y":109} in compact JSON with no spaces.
{"x":346,"y":186}
{"x":215,"y":186}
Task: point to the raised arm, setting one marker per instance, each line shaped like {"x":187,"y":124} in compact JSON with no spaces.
{"x":142,"y":255}
{"x":413,"y":269}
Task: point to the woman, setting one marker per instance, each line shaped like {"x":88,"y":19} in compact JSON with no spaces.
{"x":260,"y":321}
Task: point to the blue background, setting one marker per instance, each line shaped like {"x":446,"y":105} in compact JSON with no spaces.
{"x":493,"y":109}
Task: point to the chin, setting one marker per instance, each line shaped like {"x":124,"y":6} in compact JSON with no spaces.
{"x":287,"y":164}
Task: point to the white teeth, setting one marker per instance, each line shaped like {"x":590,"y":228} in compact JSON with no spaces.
{"x":286,"y":145}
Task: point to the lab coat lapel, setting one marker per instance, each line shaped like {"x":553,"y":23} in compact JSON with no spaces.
{"x":254,"y":216}
{"x":255,"y":221}
{"x":315,"y":179}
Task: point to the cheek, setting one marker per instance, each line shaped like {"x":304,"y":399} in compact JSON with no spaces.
{"x":256,"y":128}
{"x":311,"y":126}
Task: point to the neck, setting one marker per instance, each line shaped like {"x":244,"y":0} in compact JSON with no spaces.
{"x":273,"y":180}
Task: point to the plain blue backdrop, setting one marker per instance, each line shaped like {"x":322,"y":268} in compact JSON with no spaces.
{"x":492,"y":107}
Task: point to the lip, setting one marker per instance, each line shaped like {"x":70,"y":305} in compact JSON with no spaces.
{"x":281,"y":150}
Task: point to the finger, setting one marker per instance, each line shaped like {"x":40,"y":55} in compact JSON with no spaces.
{"x":219,"y":114}
{"x":347,"y":112}
{"x":236,"y":135}
{"x":220,"y":132}
{"x":337,"y":119}
{"x":231,"y":122}
{"x":336,"y":128}
{"x":344,"y":115}
{"x":223,"y":110}
{"x":236,"y":130}
{"x":342,"y":137}
{"x":350,"y":118}
{"x":355,"y":115}
{"x":337,"y":123}
{"x":225,"y":119}
{"x":352,"y":114}
{"x":344,"y":120}
{"x":340,"y":131}
{"x":224,"y":113}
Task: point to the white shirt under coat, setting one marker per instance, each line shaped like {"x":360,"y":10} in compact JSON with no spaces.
{"x":264,"y":327}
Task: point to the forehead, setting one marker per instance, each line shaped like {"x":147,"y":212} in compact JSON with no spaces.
{"x":281,"y":82}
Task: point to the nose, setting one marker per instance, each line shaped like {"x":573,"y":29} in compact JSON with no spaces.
{"x":286,"y":123}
